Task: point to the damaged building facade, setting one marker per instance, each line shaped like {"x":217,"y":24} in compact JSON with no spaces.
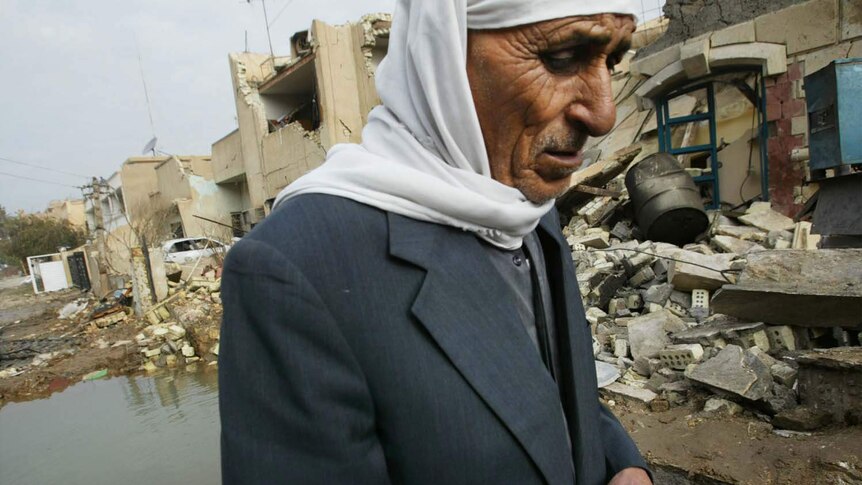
{"x":723,"y":90}
{"x":291,"y":110}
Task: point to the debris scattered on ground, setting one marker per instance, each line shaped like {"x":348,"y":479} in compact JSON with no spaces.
{"x":725,"y":316}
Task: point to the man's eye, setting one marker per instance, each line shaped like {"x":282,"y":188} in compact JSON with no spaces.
{"x":561,"y":60}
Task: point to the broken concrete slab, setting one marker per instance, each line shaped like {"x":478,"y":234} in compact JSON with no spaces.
{"x":768,"y":221}
{"x":648,"y":334}
{"x":606,"y":374}
{"x":730,"y":244}
{"x":736,"y":371}
{"x":618,"y":390}
{"x":797,"y":287}
{"x":692,"y":271}
{"x":746,"y":233}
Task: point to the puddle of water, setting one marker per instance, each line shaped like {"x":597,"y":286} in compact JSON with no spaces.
{"x":130,"y":430}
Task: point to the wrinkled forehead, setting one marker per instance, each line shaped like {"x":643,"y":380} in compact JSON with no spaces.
{"x":499,"y":14}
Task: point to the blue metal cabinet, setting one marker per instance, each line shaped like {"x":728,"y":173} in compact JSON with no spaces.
{"x":834,"y":98}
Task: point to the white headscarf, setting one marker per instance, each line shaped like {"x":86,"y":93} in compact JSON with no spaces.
{"x":422,"y":153}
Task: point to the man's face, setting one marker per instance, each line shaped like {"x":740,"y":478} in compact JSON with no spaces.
{"x":540,"y":91}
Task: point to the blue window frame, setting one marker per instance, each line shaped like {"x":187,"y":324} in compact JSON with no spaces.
{"x":666,"y":124}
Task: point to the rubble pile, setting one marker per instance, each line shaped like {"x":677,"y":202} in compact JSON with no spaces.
{"x":652,"y":308}
{"x":185,"y":327}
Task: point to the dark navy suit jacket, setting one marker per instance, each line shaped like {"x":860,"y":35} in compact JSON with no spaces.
{"x":359,"y":346}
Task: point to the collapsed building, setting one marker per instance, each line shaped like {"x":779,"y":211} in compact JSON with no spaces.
{"x":291,"y":110}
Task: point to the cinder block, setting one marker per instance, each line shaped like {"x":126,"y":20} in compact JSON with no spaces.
{"x":801,"y":27}
{"x":699,"y":304}
{"x":681,"y":356}
{"x":736,"y":34}
{"x":676,"y":309}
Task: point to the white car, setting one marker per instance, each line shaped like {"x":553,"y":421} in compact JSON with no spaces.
{"x":190,"y":249}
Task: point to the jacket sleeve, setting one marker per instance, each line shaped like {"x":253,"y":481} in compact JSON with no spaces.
{"x":294,"y":403}
{"x":620,"y":450}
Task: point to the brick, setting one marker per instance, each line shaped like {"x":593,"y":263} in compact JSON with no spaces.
{"x":783,"y":126}
{"x":793,"y":108}
{"x":679,"y":357}
{"x":773,"y":108}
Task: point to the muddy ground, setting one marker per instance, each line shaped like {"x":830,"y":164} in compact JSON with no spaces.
{"x":684,"y":444}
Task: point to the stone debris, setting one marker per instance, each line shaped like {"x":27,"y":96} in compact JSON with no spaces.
{"x":736,"y":371}
{"x":723,"y":315}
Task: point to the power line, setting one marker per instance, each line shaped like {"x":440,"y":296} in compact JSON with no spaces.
{"x":280,"y":12}
{"x":38,"y":180}
{"x":42,"y":167}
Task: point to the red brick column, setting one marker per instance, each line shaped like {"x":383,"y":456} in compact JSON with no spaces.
{"x":782,"y":105}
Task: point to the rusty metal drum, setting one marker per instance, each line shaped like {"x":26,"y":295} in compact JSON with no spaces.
{"x":667,"y":203}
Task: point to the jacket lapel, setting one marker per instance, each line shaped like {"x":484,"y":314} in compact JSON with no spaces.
{"x":578,"y":387}
{"x":466,"y":308}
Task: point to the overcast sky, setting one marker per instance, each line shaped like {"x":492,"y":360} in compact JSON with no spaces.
{"x":71,"y":96}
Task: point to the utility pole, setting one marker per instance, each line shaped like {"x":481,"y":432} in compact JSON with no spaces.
{"x":99,"y":222}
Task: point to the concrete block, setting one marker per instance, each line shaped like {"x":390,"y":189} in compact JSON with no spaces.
{"x":801,"y":27}
{"x":734,"y":370}
{"x":596,"y":315}
{"x":188,"y":351}
{"x":648,"y":334}
{"x":653,"y":64}
{"x":597,"y":241}
{"x":768,"y":360}
{"x":851,"y":22}
{"x":622,"y":391}
{"x":177,"y":331}
{"x":681,"y":356}
{"x":686,"y":277}
{"x":799,"y":125}
{"x":771,"y":56}
{"x":736,"y":34}
{"x":636,"y":262}
{"x":658,"y":294}
{"x":676,"y":309}
{"x":642,"y":277}
{"x":699,"y":304}
{"x":782,"y":338}
{"x":784,"y":374}
{"x":151,"y":352}
{"x":750,"y":340}
{"x":621,"y":347}
{"x":695,"y":58}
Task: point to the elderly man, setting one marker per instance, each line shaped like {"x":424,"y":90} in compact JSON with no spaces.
{"x":409,"y":313}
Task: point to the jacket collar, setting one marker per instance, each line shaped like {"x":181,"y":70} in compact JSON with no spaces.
{"x":463,"y":304}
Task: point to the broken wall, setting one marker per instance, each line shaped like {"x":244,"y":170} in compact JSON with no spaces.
{"x":784,"y":44}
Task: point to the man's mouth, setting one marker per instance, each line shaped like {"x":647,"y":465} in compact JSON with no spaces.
{"x":558,"y":164}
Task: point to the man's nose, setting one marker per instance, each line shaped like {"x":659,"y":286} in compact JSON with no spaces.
{"x":593,"y":105}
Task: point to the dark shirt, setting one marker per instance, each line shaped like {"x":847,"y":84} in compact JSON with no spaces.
{"x":519,"y":268}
